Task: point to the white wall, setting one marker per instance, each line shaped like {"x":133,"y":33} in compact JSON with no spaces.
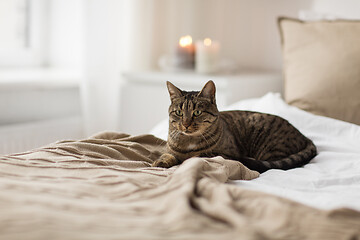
{"x":349,"y":9}
{"x":247,"y":29}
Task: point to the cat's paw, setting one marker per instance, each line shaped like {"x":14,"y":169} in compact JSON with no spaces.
{"x":166,"y":161}
{"x":161,"y":163}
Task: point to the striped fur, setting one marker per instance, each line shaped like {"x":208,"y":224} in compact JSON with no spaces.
{"x":260,"y":141}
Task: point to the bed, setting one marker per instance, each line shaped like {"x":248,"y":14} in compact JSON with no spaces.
{"x":104,"y":187}
{"x":331,"y":180}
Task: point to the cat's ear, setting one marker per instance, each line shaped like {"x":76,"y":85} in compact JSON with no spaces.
{"x":173,"y":91}
{"x":208,"y":91}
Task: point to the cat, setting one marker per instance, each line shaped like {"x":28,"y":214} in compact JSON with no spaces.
{"x":258,"y":140}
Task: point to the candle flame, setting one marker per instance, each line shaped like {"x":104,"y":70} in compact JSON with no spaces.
{"x":207,"y":42}
{"x":185,"y":41}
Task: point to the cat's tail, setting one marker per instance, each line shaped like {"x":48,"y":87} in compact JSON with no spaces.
{"x":295,"y":160}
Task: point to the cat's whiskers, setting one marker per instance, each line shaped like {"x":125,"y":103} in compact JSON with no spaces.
{"x":175,"y":134}
{"x":211,"y":137}
{"x":207,"y":143}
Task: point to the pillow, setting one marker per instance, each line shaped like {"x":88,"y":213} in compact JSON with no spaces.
{"x":322,"y":67}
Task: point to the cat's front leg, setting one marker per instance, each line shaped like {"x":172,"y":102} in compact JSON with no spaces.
{"x":166,"y":161}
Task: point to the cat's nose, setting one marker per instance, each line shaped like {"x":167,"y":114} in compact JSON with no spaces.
{"x":186,"y":124}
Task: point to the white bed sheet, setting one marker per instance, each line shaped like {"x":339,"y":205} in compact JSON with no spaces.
{"x":330,"y":180}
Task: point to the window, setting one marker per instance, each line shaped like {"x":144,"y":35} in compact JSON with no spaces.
{"x":22,"y":32}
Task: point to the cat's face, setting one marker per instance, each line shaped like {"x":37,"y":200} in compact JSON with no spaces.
{"x":192,"y":113}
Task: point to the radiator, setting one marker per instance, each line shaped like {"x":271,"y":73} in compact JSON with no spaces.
{"x":22,"y":137}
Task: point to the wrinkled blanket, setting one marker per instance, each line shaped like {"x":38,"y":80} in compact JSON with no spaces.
{"x":105,"y":188}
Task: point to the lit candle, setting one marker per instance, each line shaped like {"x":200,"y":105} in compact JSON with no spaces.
{"x":185,"y":53}
{"x":207,"y":54}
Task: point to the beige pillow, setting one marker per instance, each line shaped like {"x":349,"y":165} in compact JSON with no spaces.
{"x":322,"y":67}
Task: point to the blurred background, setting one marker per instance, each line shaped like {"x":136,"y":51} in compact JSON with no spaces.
{"x":64,"y":64}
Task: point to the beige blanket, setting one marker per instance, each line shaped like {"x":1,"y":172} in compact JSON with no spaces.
{"x":104,"y":188}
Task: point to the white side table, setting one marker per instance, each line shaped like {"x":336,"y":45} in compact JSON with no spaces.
{"x":145,"y":99}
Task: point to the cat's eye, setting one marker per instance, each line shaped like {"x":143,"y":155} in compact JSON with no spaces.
{"x":179,"y":113}
{"x":197,"y":113}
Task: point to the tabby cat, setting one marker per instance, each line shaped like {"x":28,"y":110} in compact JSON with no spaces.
{"x":260,"y":141}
